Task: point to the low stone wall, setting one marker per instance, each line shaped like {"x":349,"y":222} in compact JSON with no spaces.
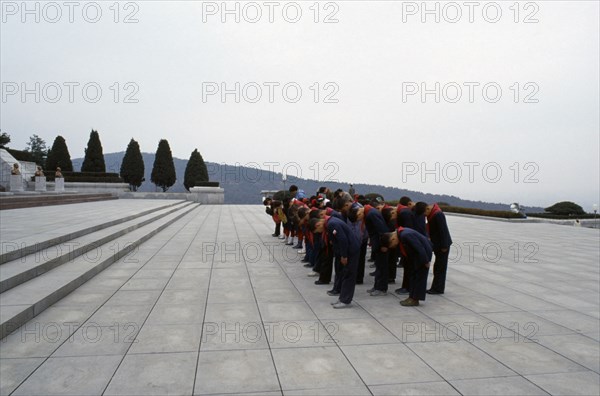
{"x":80,"y":187}
{"x":203,"y":195}
{"x":153,"y":195}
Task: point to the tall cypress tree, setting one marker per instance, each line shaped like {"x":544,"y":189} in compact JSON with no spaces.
{"x":132,"y":167}
{"x":59,"y":156}
{"x":94,"y":158}
{"x":163,"y":171}
{"x":195,"y":171}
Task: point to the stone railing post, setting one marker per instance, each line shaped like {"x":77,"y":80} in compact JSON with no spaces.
{"x":59,"y":184}
{"x":16,"y":183}
{"x":40,"y":183}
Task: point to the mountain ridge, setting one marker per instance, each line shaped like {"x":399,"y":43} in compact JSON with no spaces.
{"x":243,"y":184}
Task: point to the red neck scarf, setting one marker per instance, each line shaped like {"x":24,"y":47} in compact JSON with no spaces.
{"x":434,"y":210}
{"x":325,"y":235}
{"x":300,"y":204}
{"x":402,"y":248}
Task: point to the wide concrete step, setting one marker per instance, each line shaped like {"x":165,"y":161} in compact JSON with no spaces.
{"x":14,"y":251}
{"x":30,"y":201}
{"x":26,"y":268}
{"x":30,"y":298}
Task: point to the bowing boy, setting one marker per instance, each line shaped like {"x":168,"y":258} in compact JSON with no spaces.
{"x":373,"y":221}
{"x":418,"y":252}
{"x":347,"y":247}
{"x":441,"y":240}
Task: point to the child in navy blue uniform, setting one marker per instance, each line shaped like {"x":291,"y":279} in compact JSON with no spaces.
{"x":402,"y":216}
{"x":361,"y":233}
{"x":418,"y":252}
{"x":372,"y":220}
{"x":419,"y":221}
{"x":273,"y":209}
{"x":441,"y":240}
{"x":347,"y":247}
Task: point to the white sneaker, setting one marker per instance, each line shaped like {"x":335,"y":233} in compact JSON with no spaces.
{"x":313,"y":273}
{"x":302,"y":251}
{"x":282,"y":236}
{"x":339,"y":305}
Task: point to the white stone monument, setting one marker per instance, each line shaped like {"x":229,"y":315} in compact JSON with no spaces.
{"x":59,"y":184}
{"x":208,"y":195}
{"x":16,"y":183}
{"x":40,"y":183}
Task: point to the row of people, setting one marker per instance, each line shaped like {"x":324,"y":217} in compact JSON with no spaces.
{"x":334,"y":230}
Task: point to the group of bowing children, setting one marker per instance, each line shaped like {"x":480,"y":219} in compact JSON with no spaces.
{"x":333,"y":230}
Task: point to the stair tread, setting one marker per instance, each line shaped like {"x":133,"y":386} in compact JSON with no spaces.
{"x":51,"y":196}
{"x":34,"y":260}
{"x":34,"y":290}
{"x":32,"y":203}
{"x":96,"y":216}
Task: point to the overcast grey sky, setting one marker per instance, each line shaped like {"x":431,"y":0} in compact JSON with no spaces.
{"x":366,"y":115}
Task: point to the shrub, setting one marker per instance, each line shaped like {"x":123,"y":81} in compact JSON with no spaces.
{"x":87,"y":177}
{"x":565,"y":208}
{"x":21,"y":155}
{"x":372,"y":196}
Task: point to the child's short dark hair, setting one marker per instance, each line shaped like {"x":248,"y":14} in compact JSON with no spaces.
{"x":376,"y":203}
{"x":314,"y":214}
{"x":385,"y":239}
{"x":293,"y":187}
{"x":302,"y":212}
{"x":405,"y":200}
{"x":353,"y":213}
{"x":387,"y":214}
{"x":312,"y":224}
{"x":362,"y":200}
{"x":420,"y":208}
{"x":342,"y":199}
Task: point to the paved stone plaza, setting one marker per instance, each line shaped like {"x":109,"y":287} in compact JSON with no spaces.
{"x":214,"y":305}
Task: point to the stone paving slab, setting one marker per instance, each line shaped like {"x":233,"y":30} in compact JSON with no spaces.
{"x":215,"y":305}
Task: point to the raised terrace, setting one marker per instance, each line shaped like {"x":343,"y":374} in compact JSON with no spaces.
{"x":142,"y":297}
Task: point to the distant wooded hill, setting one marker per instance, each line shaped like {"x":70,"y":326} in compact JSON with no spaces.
{"x":243,"y":184}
